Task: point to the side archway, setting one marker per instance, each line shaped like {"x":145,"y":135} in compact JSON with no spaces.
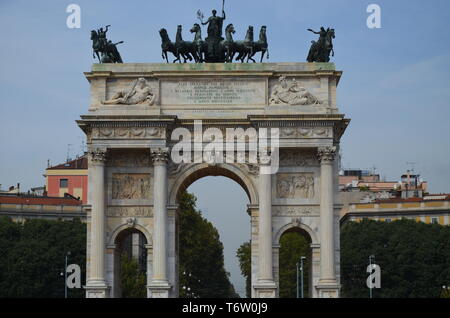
{"x":129,"y":252}
{"x":295,"y":247}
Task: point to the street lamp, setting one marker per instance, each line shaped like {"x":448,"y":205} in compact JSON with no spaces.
{"x":300,"y":293}
{"x":371,"y":257}
{"x":65,"y":275}
{"x":445,"y":292}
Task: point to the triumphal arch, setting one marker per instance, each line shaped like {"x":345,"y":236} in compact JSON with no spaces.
{"x":137,"y":116}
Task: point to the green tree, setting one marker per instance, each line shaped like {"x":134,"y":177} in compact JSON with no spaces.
{"x":32,"y":256}
{"x":414,"y":258}
{"x":133,"y":281}
{"x":244,"y":255}
{"x":293,"y":245}
{"x":201,"y":269}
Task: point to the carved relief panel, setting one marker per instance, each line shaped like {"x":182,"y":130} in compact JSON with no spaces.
{"x":129,"y":186}
{"x":289,"y":91}
{"x":295,"y":186}
{"x":140,"y":91}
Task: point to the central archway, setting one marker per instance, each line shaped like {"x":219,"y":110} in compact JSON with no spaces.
{"x":197,"y":171}
{"x":235,"y":173}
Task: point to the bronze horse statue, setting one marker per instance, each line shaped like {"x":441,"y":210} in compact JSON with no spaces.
{"x":261,"y":45}
{"x":245,"y":48}
{"x":199,"y":45}
{"x":168,"y":46}
{"x":184,"y":48}
{"x":320,"y":50}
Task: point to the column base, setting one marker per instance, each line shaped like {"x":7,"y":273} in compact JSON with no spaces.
{"x":328,"y":289}
{"x":265,"y":289}
{"x":158,"y":289}
{"x":96,"y":289}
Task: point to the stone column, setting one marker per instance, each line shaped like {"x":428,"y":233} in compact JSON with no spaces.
{"x":327,"y":285}
{"x":265,"y":287}
{"x":96,"y":285}
{"x":159,"y":286}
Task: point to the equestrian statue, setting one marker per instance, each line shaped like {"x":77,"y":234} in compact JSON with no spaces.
{"x":105,"y":50}
{"x":320,"y":51}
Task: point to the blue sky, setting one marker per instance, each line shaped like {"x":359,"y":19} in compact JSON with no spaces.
{"x":395,"y":86}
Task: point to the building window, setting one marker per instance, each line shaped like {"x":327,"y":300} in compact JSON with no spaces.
{"x":63,"y":183}
{"x":434,"y":221}
{"x":388,"y":220}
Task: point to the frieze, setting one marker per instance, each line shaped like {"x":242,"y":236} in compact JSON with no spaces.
{"x":306,"y":132}
{"x":128,"y":133}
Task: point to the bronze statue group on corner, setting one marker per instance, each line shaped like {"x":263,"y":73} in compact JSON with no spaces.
{"x":215,"y":48}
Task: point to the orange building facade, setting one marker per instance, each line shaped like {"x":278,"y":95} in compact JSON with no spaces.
{"x":70,"y":177}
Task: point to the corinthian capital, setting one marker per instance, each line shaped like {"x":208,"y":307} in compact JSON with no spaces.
{"x":326,"y":154}
{"x":160,"y":156}
{"x":97,"y":156}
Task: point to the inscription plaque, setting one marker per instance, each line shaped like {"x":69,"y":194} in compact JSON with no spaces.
{"x":237,"y":92}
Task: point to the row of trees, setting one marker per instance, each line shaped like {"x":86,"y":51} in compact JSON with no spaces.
{"x":414,"y":258}
{"x":32,"y":256}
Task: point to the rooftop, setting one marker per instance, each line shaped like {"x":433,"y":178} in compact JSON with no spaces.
{"x":79,"y":163}
{"x":28,"y":199}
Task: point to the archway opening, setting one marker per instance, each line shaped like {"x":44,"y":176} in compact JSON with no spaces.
{"x":221,"y":200}
{"x":295,"y":251}
{"x":130,"y":264}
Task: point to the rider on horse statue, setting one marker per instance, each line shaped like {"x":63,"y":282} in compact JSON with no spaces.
{"x":320,"y":50}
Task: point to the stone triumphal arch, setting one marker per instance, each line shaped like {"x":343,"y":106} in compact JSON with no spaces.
{"x":134,"y":183}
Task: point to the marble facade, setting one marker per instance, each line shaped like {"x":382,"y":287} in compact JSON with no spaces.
{"x":133,"y":182}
